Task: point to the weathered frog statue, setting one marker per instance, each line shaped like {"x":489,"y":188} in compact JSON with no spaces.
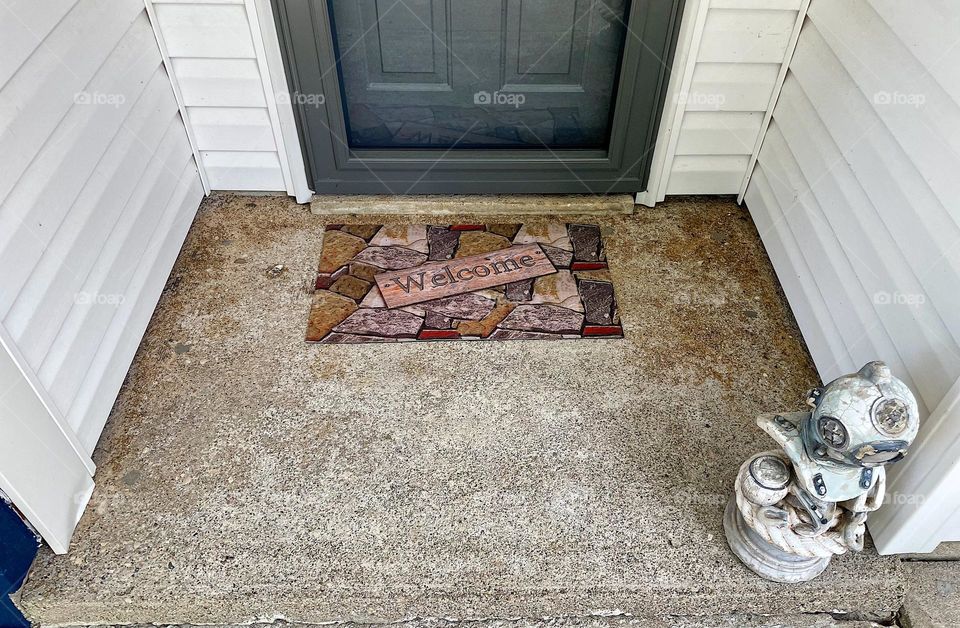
{"x":794,"y":508}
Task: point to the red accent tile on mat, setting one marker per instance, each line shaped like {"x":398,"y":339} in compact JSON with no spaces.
{"x":602,"y":330}
{"x":439,"y":334}
{"x":325,"y":280}
{"x":588,"y":265}
{"x":467,"y":227}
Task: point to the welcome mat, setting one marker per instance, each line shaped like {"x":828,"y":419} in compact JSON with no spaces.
{"x":389,"y":283}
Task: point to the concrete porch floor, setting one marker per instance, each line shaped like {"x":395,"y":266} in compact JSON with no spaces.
{"x":247,"y":475}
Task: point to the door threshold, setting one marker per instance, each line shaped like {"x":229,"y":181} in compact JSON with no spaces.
{"x":520,"y":204}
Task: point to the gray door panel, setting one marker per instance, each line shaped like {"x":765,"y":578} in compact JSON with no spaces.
{"x":395,"y":48}
{"x":409,"y":115}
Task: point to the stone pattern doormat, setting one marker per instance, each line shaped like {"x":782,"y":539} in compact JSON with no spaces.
{"x":462,"y":282}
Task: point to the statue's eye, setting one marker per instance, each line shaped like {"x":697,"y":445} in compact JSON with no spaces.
{"x":832,"y":432}
{"x":891,"y":416}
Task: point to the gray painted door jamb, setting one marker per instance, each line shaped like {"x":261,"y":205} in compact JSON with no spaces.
{"x":309,"y":59}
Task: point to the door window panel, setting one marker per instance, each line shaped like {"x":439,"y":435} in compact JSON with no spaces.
{"x":459,"y":74}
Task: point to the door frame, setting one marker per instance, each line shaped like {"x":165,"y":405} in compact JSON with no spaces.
{"x":333,"y":167}
{"x":43,"y":468}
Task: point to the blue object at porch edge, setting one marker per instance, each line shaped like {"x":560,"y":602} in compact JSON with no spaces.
{"x":18,"y":548}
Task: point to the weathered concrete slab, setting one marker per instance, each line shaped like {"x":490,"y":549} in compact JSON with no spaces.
{"x":819,"y":620}
{"x":933,"y":595}
{"x":255,"y":476}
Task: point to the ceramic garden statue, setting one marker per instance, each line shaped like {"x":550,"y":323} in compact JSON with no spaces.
{"x":794,"y":508}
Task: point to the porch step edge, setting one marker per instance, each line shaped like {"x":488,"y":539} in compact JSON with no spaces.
{"x":811,"y":620}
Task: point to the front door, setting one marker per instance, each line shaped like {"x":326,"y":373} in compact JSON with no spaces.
{"x":478,"y":96}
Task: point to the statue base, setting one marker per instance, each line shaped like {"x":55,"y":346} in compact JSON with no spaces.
{"x":764,"y":559}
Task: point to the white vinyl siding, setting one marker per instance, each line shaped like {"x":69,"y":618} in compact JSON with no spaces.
{"x":217,"y":58}
{"x":856,"y":194}
{"x":98,"y":187}
{"x":738,"y":49}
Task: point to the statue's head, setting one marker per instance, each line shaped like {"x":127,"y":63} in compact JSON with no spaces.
{"x":867,"y":418}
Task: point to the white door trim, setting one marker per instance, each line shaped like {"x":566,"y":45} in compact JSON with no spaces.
{"x":263,"y":30}
{"x":30,"y":378}
{"x":43,"y":469}
{"x":681,"y":75}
